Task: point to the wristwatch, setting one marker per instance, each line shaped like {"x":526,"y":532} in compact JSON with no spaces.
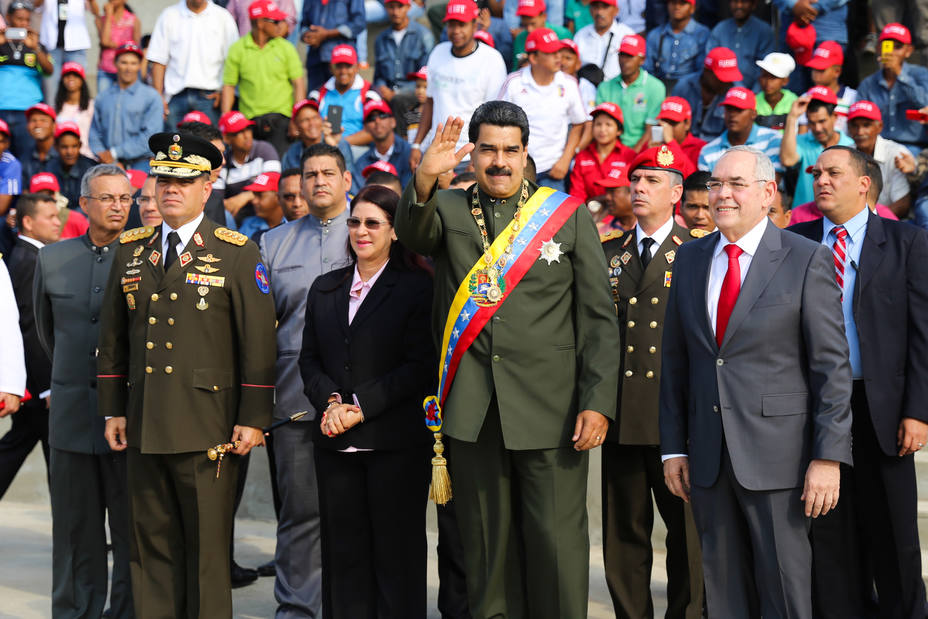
{"x":416,"y":146}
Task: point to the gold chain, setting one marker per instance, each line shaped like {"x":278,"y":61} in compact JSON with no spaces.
{"x":477,"y":212}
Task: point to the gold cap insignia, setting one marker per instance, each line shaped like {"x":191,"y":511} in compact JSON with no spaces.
{"x":698,"y":233}
{"x":665,"y":157}
{"x":175,"y":152}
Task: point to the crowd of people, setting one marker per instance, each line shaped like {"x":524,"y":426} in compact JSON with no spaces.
{"x":261,"y":220}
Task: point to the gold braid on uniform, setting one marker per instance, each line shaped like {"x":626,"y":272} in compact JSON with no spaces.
{"x":230,"y":236}
{"x":136,"y":234}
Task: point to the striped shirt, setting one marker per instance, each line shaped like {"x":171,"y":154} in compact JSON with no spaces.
{"x":765,"y":140}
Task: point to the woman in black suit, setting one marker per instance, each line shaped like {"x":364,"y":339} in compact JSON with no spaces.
{"x":367,"y":362}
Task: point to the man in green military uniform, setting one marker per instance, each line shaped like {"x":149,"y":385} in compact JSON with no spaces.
{"x":640,"y":274}
{"x":186,"y":362}
{"x":536,"y":388}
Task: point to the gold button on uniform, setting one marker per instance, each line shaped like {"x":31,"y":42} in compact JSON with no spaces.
{"x":154,"y":296}
{"x":631,"y":349}
{"x":171,"y":321}
{"x":654,"y":300}
{"x":168,"y":370}
{"x":652,"y":350}
{"x":152,"y":320}
{"x":168,"y":345}
{"x":215,"y":387}
{"x":149,"y":345}
{"x":631,"y":324}
{"x":633,"y":300}
{"x":173,"y":296}
{"x":650,"y":374}
{"x":148,"y":369}
{"x":629,"y":373}
{"x":653,"y":324}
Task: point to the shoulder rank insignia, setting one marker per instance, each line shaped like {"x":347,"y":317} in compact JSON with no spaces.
{"x":136,"y":234}
{"x":628,"y":240}
{"x":198,"y":239}
{"x":610,"y":235}
{"x":676,"y":240}
{"x":230,"y":236}
{"x":698,"y":233}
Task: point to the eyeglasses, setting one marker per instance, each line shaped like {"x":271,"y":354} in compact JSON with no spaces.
{"x":109,"y":199}
{"x":369,"y":223}
{"x":144,"y":200}
{"x":735,"y":186}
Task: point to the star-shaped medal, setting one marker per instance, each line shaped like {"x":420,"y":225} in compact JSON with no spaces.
{"x":550,"y":252}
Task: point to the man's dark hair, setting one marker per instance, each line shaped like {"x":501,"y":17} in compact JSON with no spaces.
{"x":696,"y":181}
{"x":860,"y":161}
{"x":815,"y":105}
{"x":201,"y":130}
{"x":464,"y":177}
{"x":786,"y":200}
{"x":876,"y":179}
{"x":324,"y":150}
{"x":290,"y":172}
{"x":500,"y":114}
{"x":28,"y":205}
{"x":379,"y":177}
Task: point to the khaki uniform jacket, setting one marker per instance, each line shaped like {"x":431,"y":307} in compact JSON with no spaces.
{"x":641,"y":299}
{"x":549,"y":351}
{"x":188,"y":353}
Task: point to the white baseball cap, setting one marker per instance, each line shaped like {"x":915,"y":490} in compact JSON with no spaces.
{"x":777,"y":64}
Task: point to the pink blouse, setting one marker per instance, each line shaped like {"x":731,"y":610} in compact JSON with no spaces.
{"x":121,"y":32}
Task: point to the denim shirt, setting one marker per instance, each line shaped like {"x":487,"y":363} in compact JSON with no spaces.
{"x":750,"y":42}
{"x":910,"y":92}
{"x":673,"y":55}
{"x":713,"y":124}
{"x":830,"y":23}
{"x":346,"y":16}
{"x":124,"y":119}
{"x":394,"y":63}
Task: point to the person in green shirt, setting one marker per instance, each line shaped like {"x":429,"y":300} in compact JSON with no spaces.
{"x":533,"y":14}
{"x":268,"y":73}
{"x":577,"y":14}
{"x":636,"y":91}
{"x":773,"y":99}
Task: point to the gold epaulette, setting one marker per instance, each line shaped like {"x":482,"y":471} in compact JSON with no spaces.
{"x":136,"y":234}
{"x":615,"y":234}
{"x":230,"y":236}
{"x":698,"y":233}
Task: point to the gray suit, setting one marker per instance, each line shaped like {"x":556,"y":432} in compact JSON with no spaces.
{"x":69,"y":282}
{"x":753,"y":413}
{"x":295,"y":254}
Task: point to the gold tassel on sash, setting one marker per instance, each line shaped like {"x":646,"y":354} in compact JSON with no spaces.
{"x":441,"y":481}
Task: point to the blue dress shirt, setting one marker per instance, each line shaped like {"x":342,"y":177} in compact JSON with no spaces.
{"x":124,"y":119}
{"x":346,"y":16}
{"x":708,"y":123}
{"x":672,"y":55}
{"x":830,"y":23}
{"x":393,"y":63}
{"x":910,"y":92}
{"x":750,"y":42}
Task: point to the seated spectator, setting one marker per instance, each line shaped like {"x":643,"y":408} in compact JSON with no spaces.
{"x":533,"y":14}
{"x":399,"y":51}
{"x":380,"y":122}
{"x":773,"y":99}
{"x":694,"y":206}
{"x":705,"y":91}
{"x":750,"y":38}
{"x":556,"y":126}
{"x":195,"y":116}
{"x":215,"y":205}
{"x":781,"y":212}
{"x":825,"y":66}
{"x":265,"y":69}
{"x":383,"y":174}
{"x":897,"y":87}
{"x":676,"y":119}
{"x":801,"y":151}
{"x":818,"y":21}
{"x":126,"y":115}
{"x":413,"y":116}
{"x":865,"y":122}
{"x":325,"y":26}
{"x":290,"y":194}
{"x":311,"y":130}
{"x":40,"y":122}
{"x":268,"y":213}
{"x":73,"y":222}
{"x":245,"y":159}
{"x":740,"y":112}
{"x":70,"y":165}
{"x":618,"y":215}
{"x":570,"y":65}
{"x":599,"y":42}
{"x":11,"y":173}
{"x":240,"y":13}
{"x":148,"y":208}
{"x":116,"y":27}
{"x":350,"y":91}
{"x":604,"y":154}
{"x":73,"y":102}
{"x":23,"y":62}
{"x":636,"y":91}
{"x":677,"y":48}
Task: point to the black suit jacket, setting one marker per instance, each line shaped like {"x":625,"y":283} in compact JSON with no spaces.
{"x":891,"y":312}
{"x":38,"y":365}
{"x":385,"y":357}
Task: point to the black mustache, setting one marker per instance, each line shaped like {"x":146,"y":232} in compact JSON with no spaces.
{"x":496,"y":171}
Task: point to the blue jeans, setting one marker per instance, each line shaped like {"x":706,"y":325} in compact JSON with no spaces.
{"x":59,"y":57}
{"x":21,"y":143}
{"x":187,"y":100}
{"x":546,"y":181}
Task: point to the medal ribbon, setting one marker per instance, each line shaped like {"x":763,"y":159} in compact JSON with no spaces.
{"x":543,"y":216}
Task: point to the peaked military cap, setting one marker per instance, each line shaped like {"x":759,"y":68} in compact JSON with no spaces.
{"x":182,"y":155}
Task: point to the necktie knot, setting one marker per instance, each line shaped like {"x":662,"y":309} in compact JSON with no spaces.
{"x":734,"y":252}
{"x":840,"y":233}
{"x":171,"y":254}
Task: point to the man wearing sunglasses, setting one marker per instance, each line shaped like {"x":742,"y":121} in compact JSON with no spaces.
{"x":380,"y":123}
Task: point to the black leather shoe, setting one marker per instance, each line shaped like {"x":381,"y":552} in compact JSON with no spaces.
{"x":242,"y":576}
{"x":267,"y":569}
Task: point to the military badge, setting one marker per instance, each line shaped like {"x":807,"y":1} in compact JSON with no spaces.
{"x":550,"y":252}
{"x":667,"y":276}
{"x":185,"y":259}
{"x":206,"y":280}
{"x":202,"y":290}
{"x":202,"y":304}
{"x":154,"y":257}
{"x":130,"y":288}
{"x":133,"y":272}
{"x":129,"y":280}
{"x":698,"y":233}
{"x":617,"y":271}
{"x":230,"y":236}
{"x":676,"y":240}
{"x":261,"y":279}
{"x":175,"y":152}
{"x":627,"y":240}
{"x":626,"y":257}
{"x":137,"y":251}
{"x":197,"y":239}
{"x":205,"y":268}
{"x":135,"y":262}
{"x":130,"y":300}
{"x":209,"y":258}
{"x":670,"y":256}
{"x":614,"y":262}
{"x":665,"y":157}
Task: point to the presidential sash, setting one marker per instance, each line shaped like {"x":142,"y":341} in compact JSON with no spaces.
{"x":480,"y":295}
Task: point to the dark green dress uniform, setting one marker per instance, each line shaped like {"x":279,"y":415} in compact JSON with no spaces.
{"x":632,"y":467}
{"x":185,"y":354}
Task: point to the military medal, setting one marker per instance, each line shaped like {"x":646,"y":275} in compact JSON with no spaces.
{"x":202,"y":304}
{"x":209,"y":258}
{"x":154,"y":258}
{"x":670,"y":256}
{"x":202,"y":290}
{"x":130,"y":301}
{"x":205,"y":268}
{"x":487,"y":286}
{"x":185,"y":259}
{"x":626,"y":257}
{"x":198,"y":239}
{"x":667,"y":276}
{"x":676,"y":240}
{"x":134,"y":263}
{"x":130,"y":287}
{"x":138,"y":251}
{"x":133,"y":272}
{"x":614,"y":261}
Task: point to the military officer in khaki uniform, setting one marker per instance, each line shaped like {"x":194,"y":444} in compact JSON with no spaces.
{"x":641,"y":273}
{"x":186,"y":362}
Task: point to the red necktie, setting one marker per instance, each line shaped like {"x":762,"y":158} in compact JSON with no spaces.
{"x":731,"y":286}
{"x":839,"y":252}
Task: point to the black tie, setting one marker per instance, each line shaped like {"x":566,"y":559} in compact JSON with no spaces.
{"x":171,"y":255}
{"x":646,"y":244}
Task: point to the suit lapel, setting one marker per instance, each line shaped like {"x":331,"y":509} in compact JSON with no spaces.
{"x":659,"y":263}
{"x":341,"y":301}
{"x":702,"y":286}
{"x":375,"y":297}
{"x":871,"y":255}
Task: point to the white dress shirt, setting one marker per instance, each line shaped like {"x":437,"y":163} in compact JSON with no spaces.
{"x":660,"y":235}
{"x":12,"y":355}
{"x":185,"y":232}
{"x":592,"y":46}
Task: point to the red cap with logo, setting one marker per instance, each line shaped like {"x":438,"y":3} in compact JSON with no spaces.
{"x":675,"y":109}
{"x":531,"y":8}
{"x":610,"y":109}
{"x":43,"y":181}
{"x":741,"y":98}
{"x":304,"y":103}
{"x":617,"y":177}
{"x":826,"y":55}
{"x":421,"y":74}
{"x":802,"y":41}
{"x":664,"y":157}
{"x":265,"y":9}
{"x":383,"y":166}
{"x":266,"y":181}
{"x":542,"y":40}
{"x":195,"y":116}
{"x":233,"y":122}
{"x":486,"y":37}
{"x":130,"y":47}
{"x":825,"y":95}
{"x":376,"y":106}
{"x":344,"y":54}
{"x":633,"y":45}
{"x":5,"y":128}
{"x":864,"y":109}
{"x":73,"y":67}
{"x":67,"y":127}
{"x":571,"y":45}
{"x":43,"y":108}
{"x":461,"y":10}
{"x":896,"y":32}
{"x":724,"y":64}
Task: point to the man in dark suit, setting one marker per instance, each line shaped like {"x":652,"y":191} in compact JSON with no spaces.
{"x":755,"y":395}
{"x":38,"y":224}
{"x":640,"y":271}
{"x":88,"y":480}
{"x":873,"y":535}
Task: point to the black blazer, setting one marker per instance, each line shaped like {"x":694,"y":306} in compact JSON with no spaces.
{"x":22,"y":274}
{"x":891,"y":312}
{"x":385,"y":357}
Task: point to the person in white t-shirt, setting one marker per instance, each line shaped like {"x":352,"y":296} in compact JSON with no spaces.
{"x":552,"y":103}
{"x":463,"y":73}
{"x":599,"y":42}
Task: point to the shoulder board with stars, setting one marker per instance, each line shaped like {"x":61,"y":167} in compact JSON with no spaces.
{"x":676,"y":240}
{"x":230,"y":236}
{"x":615,"y":234}
{"x":136,"y":234}
{"x":698,"y":233}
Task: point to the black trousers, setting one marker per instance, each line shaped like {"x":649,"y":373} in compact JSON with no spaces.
{"x":273,"y":128}
{"x":374,"y":552}
{"x":30,"y":426}
{"x":872,"y":537}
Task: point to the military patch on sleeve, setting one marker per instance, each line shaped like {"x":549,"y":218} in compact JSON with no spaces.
{"x":230,"y":236}
{"x":261,"y":279}
{"x":136,"y":234}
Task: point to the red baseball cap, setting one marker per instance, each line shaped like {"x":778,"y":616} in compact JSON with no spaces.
{"x":195,"y":116}
{"x":67,"y":127}
{"x":383,"y":166}
{"x":741,"y":98}
{"x":802,"y":41}
{"x":130,"y":47}
{"x":421,"y":74}
{"x":609,"y":2}
{"x":724,"y":64}
{"x":617,"y":177}
{"x":486,"y":37}
{"x":825,"y":95}
{"x":233,"y":122}
{"x":266,"y":181}
{"x":344,"y":54}
{"x":137,"y":178}
{"x":896,"y":32}
{"x":864,"y":109}
{"x":266,"y":9}
{"x":376,"y":106}
{"x":571,"y":45}
{"x":43,"y":181}
{"x":5,"y":128}
{"x":826,"y":55}
{"x":44,"y":108}
{"x":542,"y":40}
{"x":675,"y":109}
{"x":633,"y":45}
{"x":531,"y":8}
{"x":73,"y":67}
{"x":610,"y":109}
{"x":304,"y":103}
{"x":461,"y":10}
{"x":397,"y":1}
